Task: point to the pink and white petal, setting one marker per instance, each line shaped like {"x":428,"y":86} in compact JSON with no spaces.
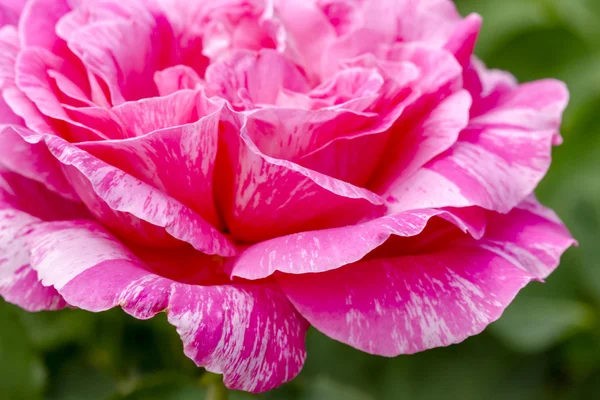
{"x":115,"y":196}
{"x":462,"y":41}
{"x":309,"y":33}
{"x":173,"y":79}
{"x":135,"y":209}
{"x":41,"y":16}
{"x":493,"y":168}
{"x":291,"y":133}
{"x":407,"y":304}
{"x":411,"y":303}
{"x":33,"y":161}
{"x":431,"y":21}
{"x":263,"y":197}
{"x":249,"y":333}
{"x":499,"y":159}
{"x":531,"y":236}
{"x":10,"y":10}
{"x":137,"y":118}
{"x":420,"y":135}
{"x":533,"y":106}
{"x":7,"y":116}
{"x":260,"y":75}
{"x":124,"y":54}
{"x":34,"y":198}
{"x":9,"y":49}
{"x":19,"y":283}
{"x":329,"y":249}
{"x":177,"y":160}
{"x":32,"y":78}
{"x":24,"y":204}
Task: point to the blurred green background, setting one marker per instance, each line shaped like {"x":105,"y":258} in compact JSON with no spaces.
{"x":546,"y":346}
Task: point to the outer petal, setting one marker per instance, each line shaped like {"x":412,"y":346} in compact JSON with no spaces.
{"x":19,"y":284}
{"x":130,"y":206}
{"x":249,"y":333}
{"x":24,"y":203}
{"x":412,"y":303}
{"x":329,"y":249}
{"x":499,"y":159}
{"x":33,"y":161}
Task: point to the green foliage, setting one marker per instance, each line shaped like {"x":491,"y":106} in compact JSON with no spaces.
{"x":546,"y":346}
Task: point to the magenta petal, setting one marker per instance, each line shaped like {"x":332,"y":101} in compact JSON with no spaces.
{"x":412,"y":303}
{"x":41,"y":16}
{"x":9,"y":49}
{"x":24,"y":204}
{"x":329,"y":249}
{"x":532,"y":237}
{"x":34,"y":161}
{"x":462,"y":41}
{"x":133,"y":208}
{"x":498,"y":160}
{"x":409,"y":149}
{"x":33,"y":78}
{"x":19,"y":284}
{"x":178,"y":160}
{"x":111,"y":193}
{"x":172,"y":79}
{"x":123,"y":44}
{"x":249,"y":333}
{"x":17,"y":105}
{"x":263,"y":197}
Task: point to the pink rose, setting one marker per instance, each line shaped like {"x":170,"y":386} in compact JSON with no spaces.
{"x":253,"y":167}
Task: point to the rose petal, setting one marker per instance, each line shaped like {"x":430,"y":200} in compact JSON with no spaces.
{"x":129,"y":206}
{"x":263,"y":197}
{"x":498,"y":160}
{"x":33,"y":161}
{"x":249,"y":333}
{"x":10,"y":11}
{"x":137,"y":118}
{"x":178,"y":159}
{"x":261,"y":75}
{"x":124,"y":51}
{"x":179,"y":77}
{"x":32,"y":78}
{"x":418,"y":138}
{"x":329,"y":249}
{"x":412,"y":303}
{"x":24,"y":203}
{"x":462,"y":41}
{"x":41,"y":16}
{"x":19,"y":284}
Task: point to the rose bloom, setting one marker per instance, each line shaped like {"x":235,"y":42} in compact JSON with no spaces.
{"x":255,"y":167}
